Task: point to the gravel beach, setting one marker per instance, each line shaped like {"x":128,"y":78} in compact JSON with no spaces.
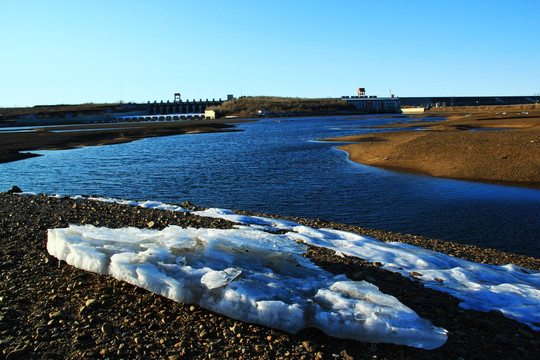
{"x":50,"y":310}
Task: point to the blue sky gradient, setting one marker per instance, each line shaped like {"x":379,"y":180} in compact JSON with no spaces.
{"x":71,"y":52}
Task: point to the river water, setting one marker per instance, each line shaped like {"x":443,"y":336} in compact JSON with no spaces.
{"x":277,"y":166}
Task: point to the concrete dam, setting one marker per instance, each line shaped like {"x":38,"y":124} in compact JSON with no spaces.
{"x":151,"y":111}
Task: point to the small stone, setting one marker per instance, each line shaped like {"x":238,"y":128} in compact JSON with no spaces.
{"x":308,"y":345}
{"x":57,"y":315}
{"x":345,"y":356}
{"x":236,"y":329}
{"x":90,"y":302}
{"x":14,"y":190}
{"x":150,"y":224}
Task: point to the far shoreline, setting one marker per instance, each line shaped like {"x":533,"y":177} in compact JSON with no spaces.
{"x":15,"y":146}
{"x":490,"y":147}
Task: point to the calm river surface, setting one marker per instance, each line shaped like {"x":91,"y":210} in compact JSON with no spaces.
{"x":279,"y":167}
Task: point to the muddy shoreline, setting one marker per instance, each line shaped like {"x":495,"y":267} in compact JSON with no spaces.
{"x":50,"y":310}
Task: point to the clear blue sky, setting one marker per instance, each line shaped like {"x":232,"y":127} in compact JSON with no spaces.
{"x":74,"y":52}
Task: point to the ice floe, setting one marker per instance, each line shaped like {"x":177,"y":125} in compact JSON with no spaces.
{"x":510,"y":289}
{"x":246,"y":274}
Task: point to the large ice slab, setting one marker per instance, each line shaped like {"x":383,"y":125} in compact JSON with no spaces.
{"x":510,"y":289}
{"x":246,"y":274}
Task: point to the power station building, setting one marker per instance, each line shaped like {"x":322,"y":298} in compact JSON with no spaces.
{"x":373,"y":104}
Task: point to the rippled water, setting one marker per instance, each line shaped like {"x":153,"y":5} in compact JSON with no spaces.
{"x":278,"y":167}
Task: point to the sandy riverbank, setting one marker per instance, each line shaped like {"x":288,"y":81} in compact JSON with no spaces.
{"x":50,"y":310}
{"x":19,"y":145}
{"x":499,"y":145}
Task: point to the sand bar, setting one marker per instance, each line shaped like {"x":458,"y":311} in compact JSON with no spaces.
{"x":494,"y":146}
{"x":19,"y":145}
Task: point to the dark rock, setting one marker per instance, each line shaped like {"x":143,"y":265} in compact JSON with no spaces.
{"x":14,"y":190}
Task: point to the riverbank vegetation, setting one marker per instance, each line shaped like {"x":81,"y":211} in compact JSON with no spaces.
{"x":61,"y":109}
{"x":249,"y":106}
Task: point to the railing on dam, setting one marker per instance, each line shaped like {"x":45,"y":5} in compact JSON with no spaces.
{"x":182,"y":107}
{"x":159,"y":117}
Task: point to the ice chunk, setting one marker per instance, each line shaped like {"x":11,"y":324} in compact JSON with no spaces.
{"x":512,"y":290}
{"x":214,"y":279}
{"x":246,"y":274}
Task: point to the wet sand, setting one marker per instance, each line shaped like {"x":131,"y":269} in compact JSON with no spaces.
{"x":19,"y":145}
{"x":493,"y":146}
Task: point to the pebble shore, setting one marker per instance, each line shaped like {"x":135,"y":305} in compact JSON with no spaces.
{"x":50,"y":310}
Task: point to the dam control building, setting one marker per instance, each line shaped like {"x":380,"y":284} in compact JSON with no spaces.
{"x":373,"y":104}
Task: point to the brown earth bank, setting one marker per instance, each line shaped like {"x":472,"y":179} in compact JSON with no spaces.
{"x":494,"y":144}
{"x":50,"y":310}
{"x":18,"y":145}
